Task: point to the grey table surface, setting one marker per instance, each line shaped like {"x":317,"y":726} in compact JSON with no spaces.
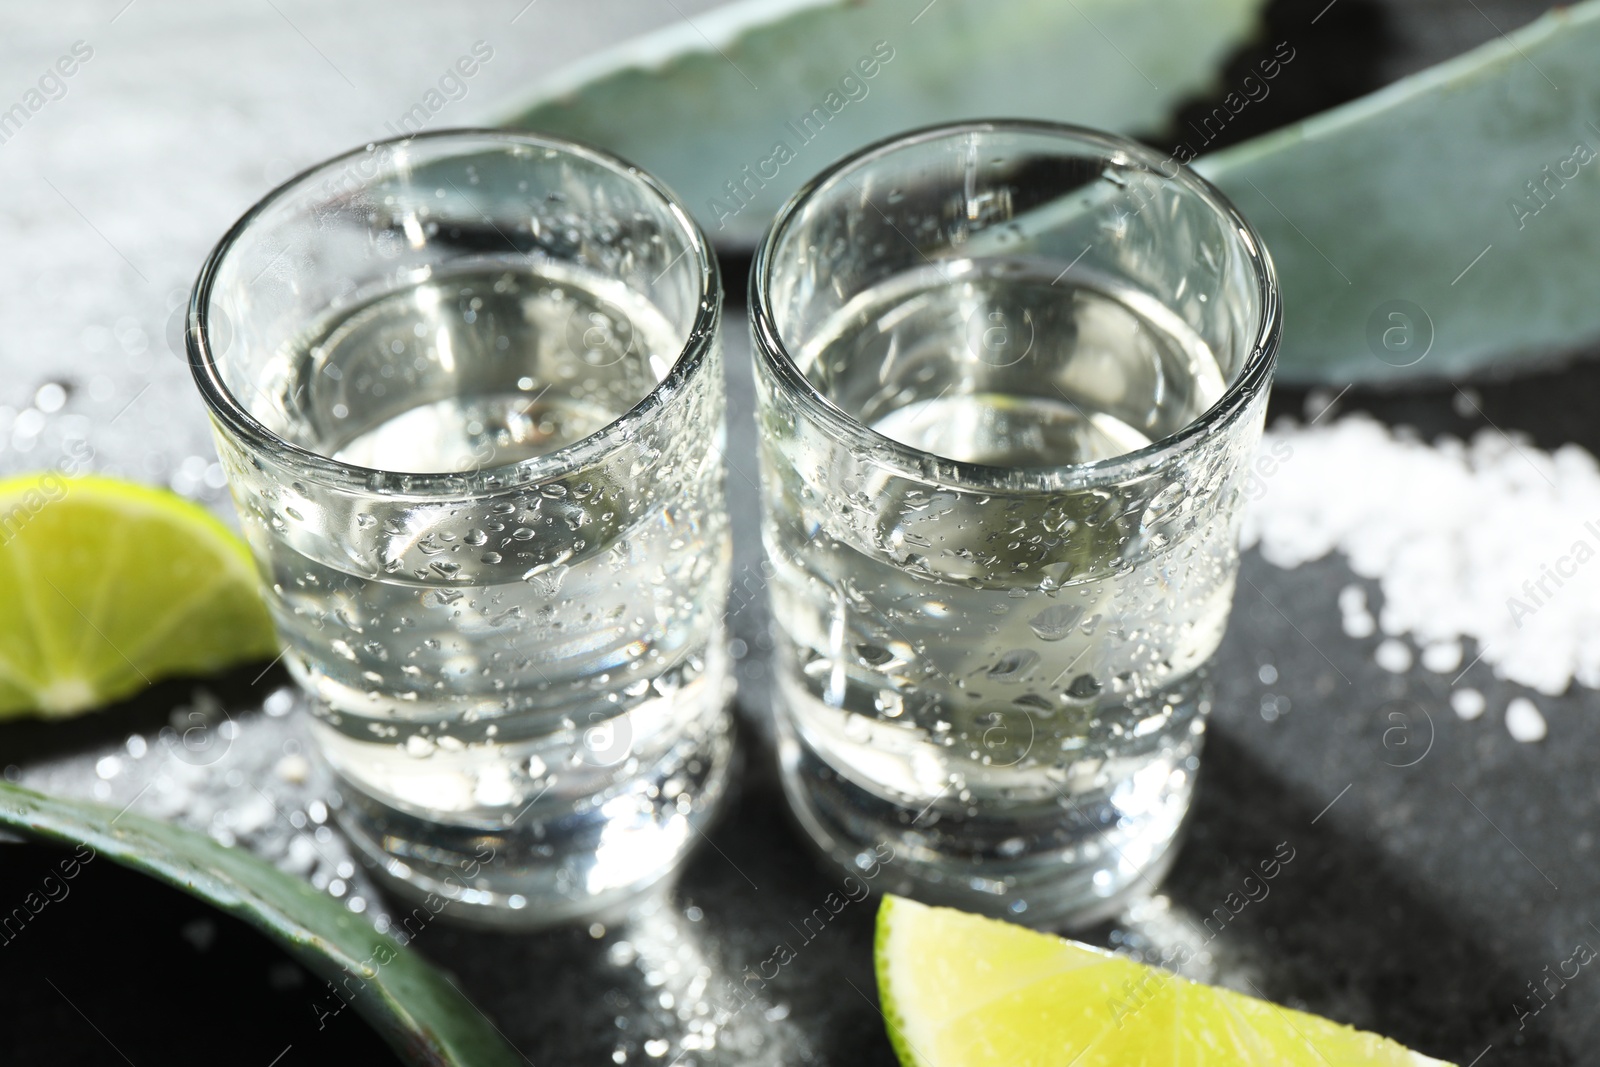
{"x":1424,"y":893}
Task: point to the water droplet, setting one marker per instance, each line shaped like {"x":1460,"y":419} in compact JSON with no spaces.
{"x":873,"y":656}
{"x":475,"y":537}
{"x":1083,"y":687}
{"x":1013,"y":665}
{"x":1164,"y":503}
{"x":1055,"y":622}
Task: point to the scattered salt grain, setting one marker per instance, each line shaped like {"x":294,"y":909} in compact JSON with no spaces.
{"x":253,"y":813}
{"x":294,"y":769}
{"x":1393,"y":656}
{"x":301,"y":855}
{"x":1442,"y":657}
{"x":50,"y":398}
{"x":1354,"y":616}
{"x":1468,"y":703}
{"x":1359,"y":624}
{"x":1524,"y":722}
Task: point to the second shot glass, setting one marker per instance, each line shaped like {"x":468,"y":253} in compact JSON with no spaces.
{"x":1010,"y":377}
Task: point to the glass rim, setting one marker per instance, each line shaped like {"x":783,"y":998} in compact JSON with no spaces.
{"x":224,"y":406}
{"x":1252,"y":376}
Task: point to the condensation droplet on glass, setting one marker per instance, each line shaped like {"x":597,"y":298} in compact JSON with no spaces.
{"x":1055,"y":622}
{"x":1014,"y":665}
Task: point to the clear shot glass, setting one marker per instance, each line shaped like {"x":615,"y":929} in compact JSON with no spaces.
{"x":467,"y":390}
{"x":1011,"y":377}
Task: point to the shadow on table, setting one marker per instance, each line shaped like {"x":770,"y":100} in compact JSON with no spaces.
{"x":1337,"y":934}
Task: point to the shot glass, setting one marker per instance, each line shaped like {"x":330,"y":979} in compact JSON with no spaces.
{"x":1010,"y":377}
{"x":467,"y":391}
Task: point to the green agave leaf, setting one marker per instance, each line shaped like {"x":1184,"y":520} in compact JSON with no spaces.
{"x":1444,"y":224}
{"x":422,"y":1016}
{"x":706,"y":104}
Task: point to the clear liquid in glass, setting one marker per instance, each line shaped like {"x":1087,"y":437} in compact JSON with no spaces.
{"x":955,"y":675}
{"x":540,"y":678}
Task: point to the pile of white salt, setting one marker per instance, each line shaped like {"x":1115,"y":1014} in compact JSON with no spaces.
{"x":1491,"y":540}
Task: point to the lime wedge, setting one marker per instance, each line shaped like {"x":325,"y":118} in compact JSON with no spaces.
{"x":107,"y":586}
{"x":959,"y":990}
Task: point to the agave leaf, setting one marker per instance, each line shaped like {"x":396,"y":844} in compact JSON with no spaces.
{"x":699,"y":102}
{"x":1415,"y":202}
{"x":422,"y":1016}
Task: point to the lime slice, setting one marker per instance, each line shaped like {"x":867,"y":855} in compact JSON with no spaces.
{"x":959,"y":989}
{"x":107,"y":586}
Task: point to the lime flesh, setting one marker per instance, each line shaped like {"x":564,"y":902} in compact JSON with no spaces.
{"x":107,"y":586}
{"x":960,"y":990}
